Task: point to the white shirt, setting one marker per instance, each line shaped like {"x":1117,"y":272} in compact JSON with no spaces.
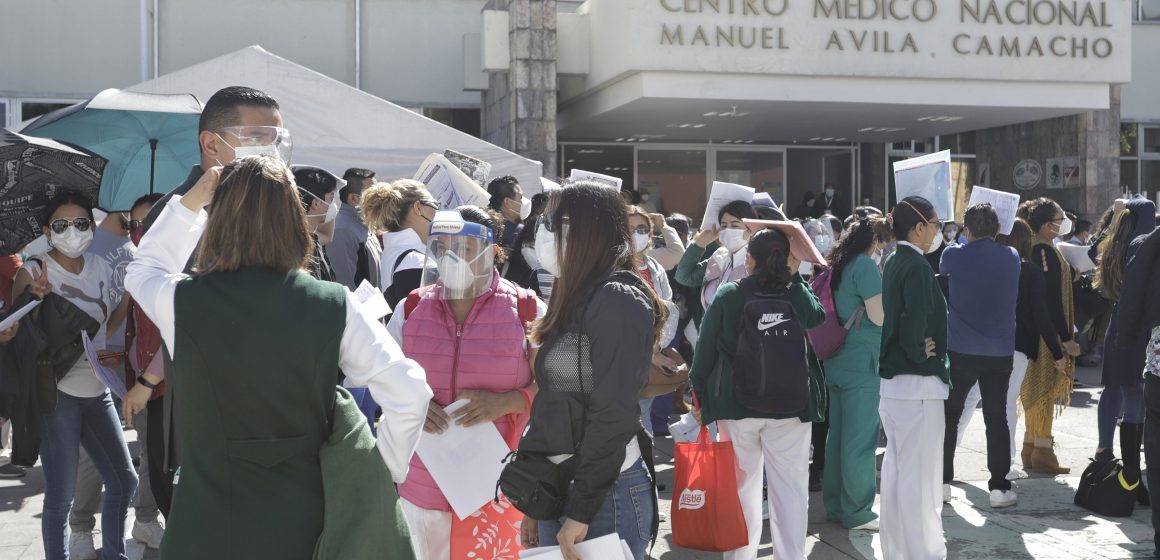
{"x":90,"y":291}
{"x":367,"y":354}
{"x":395,"y":243}
{"x":910,"y":387}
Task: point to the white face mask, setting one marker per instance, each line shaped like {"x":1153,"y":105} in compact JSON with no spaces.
{"x":935,"y":244}
{"x":456,"y":274}
{"x":525,"y":208}
{"x":877,"y":256}
{"x":830,"y":193}
{"x":732,"y":239}
{"x":640,"y":242}
{"x":546,"y":250}
{"x":72,"y":243}
{"x":951,"y":234}
{"x":331,"y":209}
{"x":1065,"y":227}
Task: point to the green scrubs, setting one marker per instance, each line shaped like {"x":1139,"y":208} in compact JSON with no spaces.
{"x":852,"y":381}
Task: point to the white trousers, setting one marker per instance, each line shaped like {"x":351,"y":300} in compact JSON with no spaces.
{"x":430,"y":531}
{"x":779,"y":449}
{"x":911,"y":517}
{"x":973,"y":398}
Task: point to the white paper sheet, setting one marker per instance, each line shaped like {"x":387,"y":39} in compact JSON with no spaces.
{"x":764,"y":199}
{"x":465,"y":462}
{"x":1006,"y":205}
{"x":927,"y":176}
{"x":608,"y":547}
{"x":450,"y":186}
{"x":722,"y":194}
{"x":112,"y":379}
{"x":18,"y":314}
{"x":1077,"y":256}
{"x":371,"y":301}
{"x":606,"y":180}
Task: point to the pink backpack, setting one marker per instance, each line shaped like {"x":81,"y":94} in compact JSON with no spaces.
{"x":827,"y":338}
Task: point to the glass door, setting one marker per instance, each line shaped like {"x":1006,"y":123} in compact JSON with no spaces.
{"x":673,"y":180}
{"x":764,"y":170}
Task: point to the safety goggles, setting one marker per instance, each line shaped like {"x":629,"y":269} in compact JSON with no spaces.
{"x":257,"y":135}
{"x":80,"y":224}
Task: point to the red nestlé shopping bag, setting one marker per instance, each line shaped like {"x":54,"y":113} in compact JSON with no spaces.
{"x":706,"y":509}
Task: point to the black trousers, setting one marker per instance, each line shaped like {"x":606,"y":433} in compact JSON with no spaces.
{"x":1152,"y":444}
{"x":992,"y":374}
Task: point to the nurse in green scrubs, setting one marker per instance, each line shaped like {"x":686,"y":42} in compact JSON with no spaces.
{"x":852,"y":377}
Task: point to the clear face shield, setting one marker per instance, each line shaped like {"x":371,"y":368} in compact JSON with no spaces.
{"x":460,"y":258}
{"x":258,"y":140}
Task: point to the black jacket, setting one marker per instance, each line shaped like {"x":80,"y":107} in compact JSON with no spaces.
{"x":1139,"y":309}
{"x":1032,"y":319}
{"x":590,"y":379}
{"x":45,"y":348}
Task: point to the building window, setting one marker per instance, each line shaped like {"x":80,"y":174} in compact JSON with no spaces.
{"x":4,"y":114}
{"x":1150,"y":140}
{"x":1129,"y":140}
{"x":1146,"y":10}
{"x":463,"y":120}
{"x":617,"y":161}
{"x":33,"y":109}
{"x":958,"y":144}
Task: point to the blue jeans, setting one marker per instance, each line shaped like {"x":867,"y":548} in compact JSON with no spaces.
{"x":1128,"y":399}
{"x":646,"y":414}
{"x":91,"y":423}
{"x":627,"y":511}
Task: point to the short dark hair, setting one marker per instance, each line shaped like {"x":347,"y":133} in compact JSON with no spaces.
{"x":982,"y":221}
{"x":357,"y":173}
{"x":500,"y":189}
{"x":66,"y":198}
{"x":1082,"y":226}
{"x":313,"y":180}
{"x":739,"y":209}
{"x":908,"y":213}
{"x":354,"y":178}
{"x":150,"y":199}
{"x":222,"y":109}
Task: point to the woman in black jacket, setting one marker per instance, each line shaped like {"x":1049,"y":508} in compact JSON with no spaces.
{"x":597,"y":339}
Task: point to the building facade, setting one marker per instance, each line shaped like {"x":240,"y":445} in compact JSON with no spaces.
{"x":1056,"y":98}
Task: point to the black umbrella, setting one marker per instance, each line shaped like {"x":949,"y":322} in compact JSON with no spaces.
{"x":33,"y":171}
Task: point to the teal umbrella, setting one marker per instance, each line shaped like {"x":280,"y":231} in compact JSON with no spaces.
{"x":149,"y":140}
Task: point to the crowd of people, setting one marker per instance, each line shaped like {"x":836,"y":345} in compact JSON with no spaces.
{"x":549,"y":316}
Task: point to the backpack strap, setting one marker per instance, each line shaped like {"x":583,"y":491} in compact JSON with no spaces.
{"x":526,"y":305}
{"x":399,"y":260}
{"x":411,"y":302}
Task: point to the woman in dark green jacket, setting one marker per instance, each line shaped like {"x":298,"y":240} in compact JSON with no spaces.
{"x":915,"y":384}
{"x":779,"y":444}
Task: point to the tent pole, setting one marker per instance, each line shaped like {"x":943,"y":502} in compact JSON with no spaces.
{"x":152,"y":162}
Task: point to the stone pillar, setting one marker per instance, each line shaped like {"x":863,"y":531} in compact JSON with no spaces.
{"x":1100,"y":154}
{"x":519,"y":107}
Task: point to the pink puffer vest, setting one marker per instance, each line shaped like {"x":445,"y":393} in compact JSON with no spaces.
{"x":490,"y":357}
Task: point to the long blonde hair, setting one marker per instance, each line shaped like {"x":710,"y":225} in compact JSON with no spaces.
{"x":256,"y":219}
{"x":385,"y":206}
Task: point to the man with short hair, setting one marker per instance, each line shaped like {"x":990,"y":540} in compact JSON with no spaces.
{"x":831,"y":203}
{"x":354,"y":252}
{"x":984,"y":288}
{"x":507,"y":198}
{"x":318,"y":190}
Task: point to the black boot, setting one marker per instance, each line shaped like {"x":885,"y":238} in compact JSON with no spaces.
{"x":1131,"y":436}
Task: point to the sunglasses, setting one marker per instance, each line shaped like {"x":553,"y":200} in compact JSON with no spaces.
{"x":132,"y":225}
{"x":80,"y":224}
{"x":643,"y":230}
{"x":550,"y":223}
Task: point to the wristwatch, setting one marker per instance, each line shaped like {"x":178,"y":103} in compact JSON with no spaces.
{"x":142,"y":381}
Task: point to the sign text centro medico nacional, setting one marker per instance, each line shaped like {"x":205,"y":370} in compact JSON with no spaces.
{"x":1020,"y":40}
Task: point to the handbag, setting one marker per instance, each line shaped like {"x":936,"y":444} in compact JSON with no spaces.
{"x":1103,"y":489}
{"x":706,"y":509}
{"x":664,"y":380}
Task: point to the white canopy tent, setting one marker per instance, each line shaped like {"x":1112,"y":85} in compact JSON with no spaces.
{"x":336,"y":126}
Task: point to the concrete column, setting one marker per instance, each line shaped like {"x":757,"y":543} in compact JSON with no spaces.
{"x":1100,"y":141}
{"x":519,"y":107}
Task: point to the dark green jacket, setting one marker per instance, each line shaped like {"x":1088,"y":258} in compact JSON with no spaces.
{"x":712,"y":373}
{"x":690,"y":273}
{"x":363,"y":515}
{"x":914,"y":309}
{"x":256,"y":359}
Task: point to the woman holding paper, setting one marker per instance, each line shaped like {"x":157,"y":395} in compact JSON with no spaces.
{"x":467,"y":328}
{"x":915,"y":384}
{"x":257,"y":344}
{"x":1045,"y":385}
{"x":403,"y":210}
{"x":727,"y":263}
{"x":766,"y":443}
{"x":80,"y":411}
{"x":598,"y":338}
{"x":1123,"y":367}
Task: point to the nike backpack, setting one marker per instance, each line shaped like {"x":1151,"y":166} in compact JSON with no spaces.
{"x":771,"y":370}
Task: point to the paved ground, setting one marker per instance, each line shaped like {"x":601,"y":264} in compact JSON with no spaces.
{"x":1045,"y":525}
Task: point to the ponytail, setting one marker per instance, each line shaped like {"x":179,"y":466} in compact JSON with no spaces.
{"x":385,"y":206}
{"x":770,"y":251}
{"x":858,"y":239}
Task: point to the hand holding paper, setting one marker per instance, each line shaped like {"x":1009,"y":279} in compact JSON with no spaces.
{"x":17,"y":315}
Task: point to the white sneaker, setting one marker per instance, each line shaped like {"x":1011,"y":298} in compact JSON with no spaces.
{"x":1003,"y":498}
{"x":80,"y":546}
{"x":664,"y":517}
{"x":148,"y":533}
{"x":946,"y":493}
{"x":871,"y":525}
{"x":1016,"y":473}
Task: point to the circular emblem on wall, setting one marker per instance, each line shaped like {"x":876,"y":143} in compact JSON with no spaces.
{"x":1027,"y":174}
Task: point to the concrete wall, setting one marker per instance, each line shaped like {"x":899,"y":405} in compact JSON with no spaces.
{"x":1140,"y":99}
{"x":412,"y":49}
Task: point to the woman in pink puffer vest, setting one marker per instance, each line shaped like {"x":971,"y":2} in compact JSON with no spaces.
{"x":466,"y":328}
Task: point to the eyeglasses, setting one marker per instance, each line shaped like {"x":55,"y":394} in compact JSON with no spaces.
{"x":642,"y":230}
{"x":550,"y":223}
{"x":80,"y":224}
{"x":133,"y":225}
